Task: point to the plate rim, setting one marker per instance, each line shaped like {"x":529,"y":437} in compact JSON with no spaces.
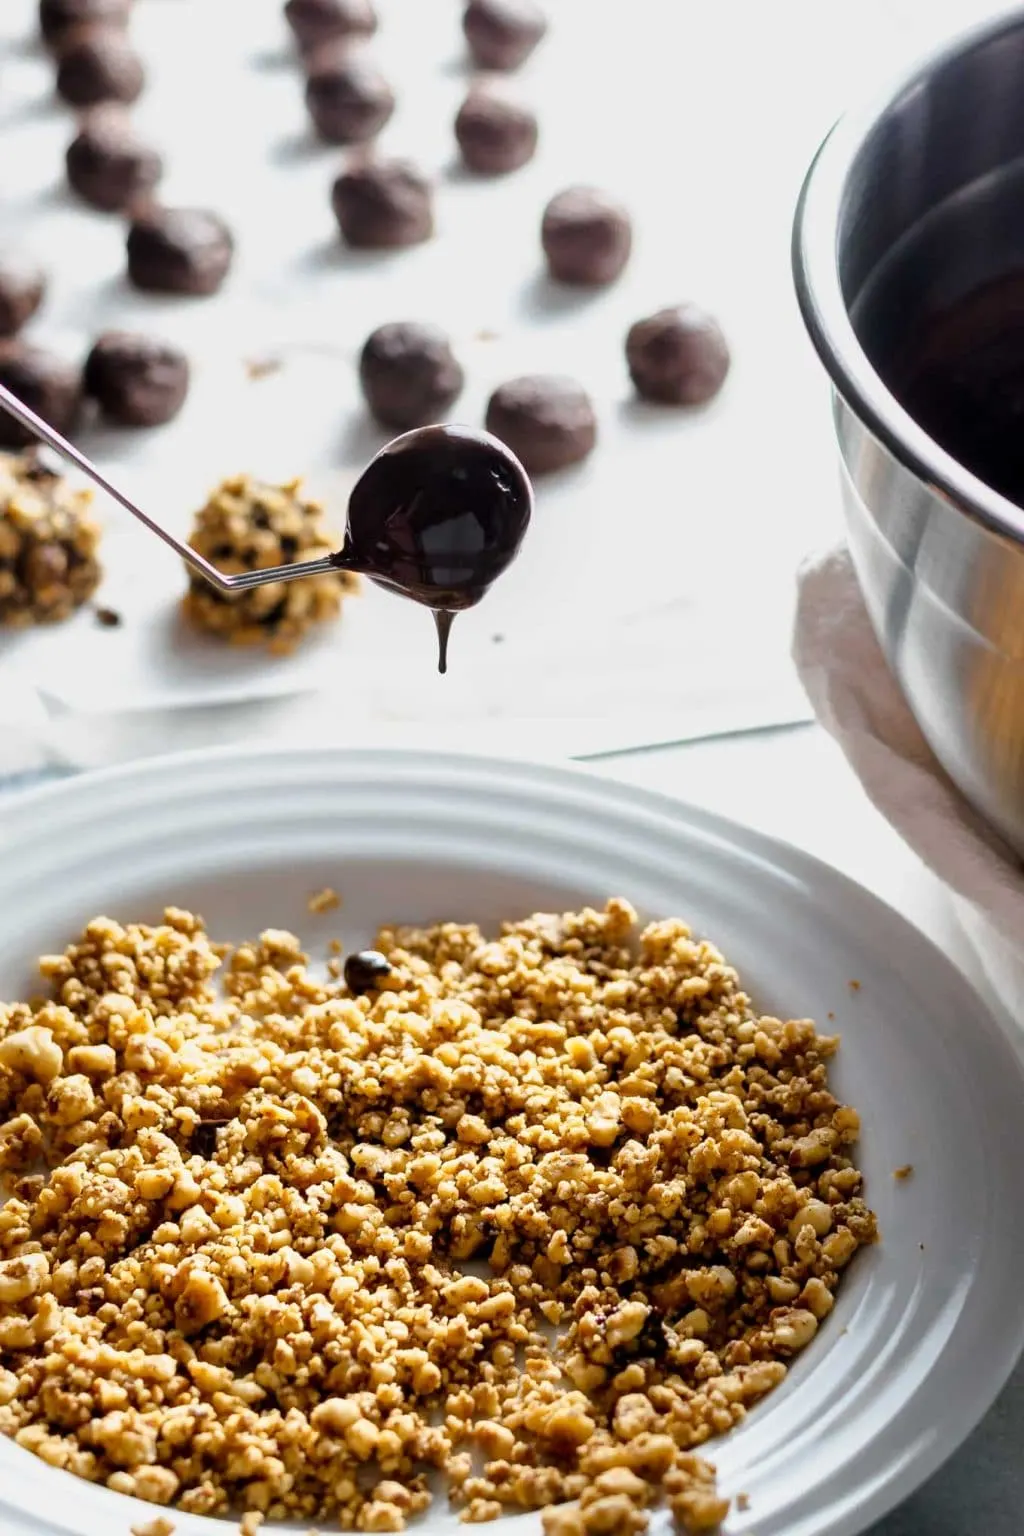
{"x":897,"y":1482}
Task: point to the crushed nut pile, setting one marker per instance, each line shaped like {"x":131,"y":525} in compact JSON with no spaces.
{"x":248,"y":526}
{"x":542,"y":1214}
{"x":48,"y":543}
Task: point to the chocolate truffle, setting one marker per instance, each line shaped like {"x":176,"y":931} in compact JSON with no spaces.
{"x":348,"y":99}
{"x":494,"y":133}
{"x":409,"y":375}
{"x":48,"y":544}
{"x":22,"y":287}
{"x":320,"y":21}
{"x":677,"y":356}
{"x":587,"y":237}
{"x":547,"y":420}
{"x":99,"y":64}
{"x":502,"y":33}
{"x":59,"y":18}
{"x":179,"y":250}
{"x":47,"y":384}
{"x":109,"y":165}
{"x":383,"y":205}
{"x":248,"y":526}
{"x":366,"y":971}
{"x":136,"y":381}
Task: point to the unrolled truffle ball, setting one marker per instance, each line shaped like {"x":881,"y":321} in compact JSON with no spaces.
{"x":22,"y":288}
{"x":137,"y":381}
{"x":59,"y":18}
{"x":677,"y":356}
{"x":109,"y":165}
{"x":409,"y":375}
{"x":383,"y":205}
{"x":495,"y":134}
{"x":348,"y":99}
{"x":320,"y":21}
{"x":547,"y":420}
{"x":99,"y":64}
{"x":179,"y":250}
{"x":587,"y":237}
{"x":47,"y":384}
{"x":502,"y":33}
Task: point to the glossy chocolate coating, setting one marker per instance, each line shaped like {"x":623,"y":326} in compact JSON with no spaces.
{"x":365,"y":971}
{"x":960,"y":374}
{"x":437,"y":516}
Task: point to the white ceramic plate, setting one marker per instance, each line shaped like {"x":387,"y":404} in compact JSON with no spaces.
{"x":928,"y":1325}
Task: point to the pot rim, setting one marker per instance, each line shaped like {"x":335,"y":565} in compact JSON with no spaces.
{"x":823,"y":306}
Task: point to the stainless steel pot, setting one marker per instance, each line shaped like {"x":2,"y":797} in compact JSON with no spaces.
{"x":909,"y":205}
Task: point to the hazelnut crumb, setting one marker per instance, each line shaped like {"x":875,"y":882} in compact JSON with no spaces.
{"x":262,"y":367}
{"x":326,"y":900}
{"x":243,"y":1280}
{"x":904,"y":1173}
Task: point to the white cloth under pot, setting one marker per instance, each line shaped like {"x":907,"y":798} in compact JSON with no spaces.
{"x":858,"y":701}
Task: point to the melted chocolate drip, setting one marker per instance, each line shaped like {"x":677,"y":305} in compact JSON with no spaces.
{"x":437,"y":516}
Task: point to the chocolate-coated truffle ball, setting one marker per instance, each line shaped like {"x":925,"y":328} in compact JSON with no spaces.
{"x":494,"y":133}
{"x":677,"y":356}
{"x":22,"y":287}
{"x":179,"y":250}
{"x":319,"y":21}
{"x":48,"y":385}
{"x":99,"y":64}
{"x":383,"y":205}
{"x":409,"y":375}
{"x":587,"y":237}
{"x":366,"y":971}
{"x":547,"y":420}
{"x":109,"y":165}
{"x":502,"y":33}
{"x":59,"y":18}
{"x":136,"y":381}
{"x":348,"y":99}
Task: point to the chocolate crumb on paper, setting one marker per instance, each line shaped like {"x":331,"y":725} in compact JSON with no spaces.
{"x":262,"y":367}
